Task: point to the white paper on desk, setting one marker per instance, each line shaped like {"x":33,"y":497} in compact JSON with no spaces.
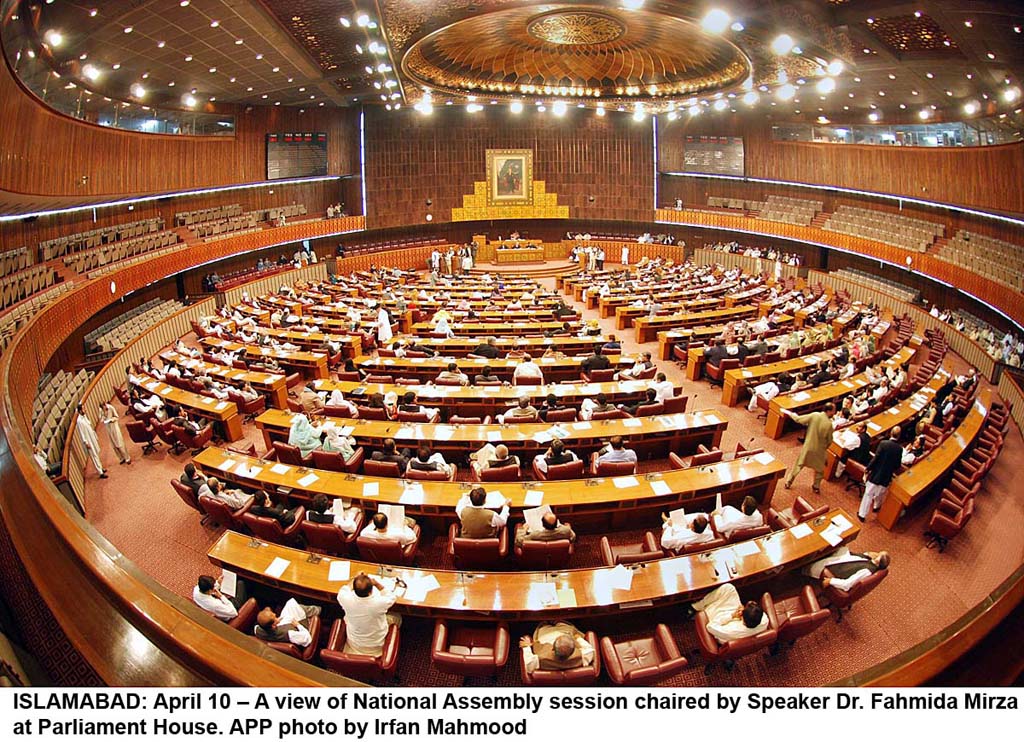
{"x":417,"y":588}
{"x":582,"y":425}
{"x":590,"y":389}
{"x":660,"y":487}
{"x":277,"y":567}
{"x":544,"y":593}
{"x":226,"y":465}
{"x":800,"y":396}
{"x":809,"y":360}
{"x":800,"y":530}
{"x":632,"y":422}
{"x":764,"y":458}
{"x":677,"y":518}
{"x":832,"y":535}
{"x":566,"y":597}
{"x":412,"y":495}
{"x":543,"y":436}
{"x":495,"y":435}
{"x":308,"y":480}
{"x":533,"y":498}
{"x":371,"y":489}
{"x":443,"y":433}
{"x":228,"y":583}
{"x":494,"y":500}
{"x":874,"y":427}
{"x":620,"y":578}
{"x":746,"y":548}
{"x":746,"y":374}
{"x":405,"y":433}
{"x":848,"y":384}
{"x":533,"y":517}
{"x":712,"y":418}
{"x":280,"y":468}
{"x":248,"y":471}
{"x":624,"y":482}
{"x":339,"y":571}
{"x":842,"y":523}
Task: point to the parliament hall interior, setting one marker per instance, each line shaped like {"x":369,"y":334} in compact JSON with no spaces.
{"x":497,"y":343}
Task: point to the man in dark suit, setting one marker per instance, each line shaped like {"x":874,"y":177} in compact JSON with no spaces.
{"x":487,"y":349}
{"x":192,"y":478}
{"x":880,"y":472}
{"x":264,"y":508}
{"x":318,"y":510}
{"x":388,"y":453}
{"x":595,"y":362}
{"x":714,"y":355}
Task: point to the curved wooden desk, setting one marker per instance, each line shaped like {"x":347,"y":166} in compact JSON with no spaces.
{"x":224,"y":412}
{"x":459,"y":347}
{"x":312,"y":365}
{"x":511,"y":329}
{"x":426,"y":369}
{"x":270,"y":385}
{"x":647,"y":327}
{"x":512,"y":596}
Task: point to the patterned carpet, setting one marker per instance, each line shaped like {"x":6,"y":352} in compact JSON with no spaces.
{"x":925,"y":591}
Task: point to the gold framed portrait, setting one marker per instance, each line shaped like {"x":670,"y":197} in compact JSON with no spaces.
{"x":509,"y":177}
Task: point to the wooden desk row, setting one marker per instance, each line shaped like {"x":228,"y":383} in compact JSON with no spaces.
{"x":537,"y":596}
{"x":535,"y":346}
{"x":512,"y":329}
{"x":607,"y":305}
{"x":834,"y":392}
{"x":272,"y":386}
{"x":426,"y":369}
{"x":651,"y":437}
{"x":667,"y":340}
{"x":311,"y":365}
{"x":218,"y":411}
{"x":920,"y":479}
{"x":647,"y":328}
{"x":738,"y":379}
{"x":625,"y":315}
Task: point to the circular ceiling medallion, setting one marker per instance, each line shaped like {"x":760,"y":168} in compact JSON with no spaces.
{"x":575,"y":28}
{"x":576,"y":51}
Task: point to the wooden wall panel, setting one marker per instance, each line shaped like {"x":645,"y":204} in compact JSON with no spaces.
{"x":46,"y":153}
{"x":412,"y":158}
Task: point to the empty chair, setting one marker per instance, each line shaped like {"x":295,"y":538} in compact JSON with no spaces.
{"x":544,"y":555}
{"x":799,"y":615}
{"x":800,"y":511}
{"x":646,"y":551}
{"x":947,"y":521}
{"x":477,"y":553}
{"x":643,"y":660}
{"x":470,"y":649}
{"x":362,"y":667}
{"x":372,"y":468}
{"x":567,"y":415}
{"x":142,"y":434}
{"x":675,"y":405}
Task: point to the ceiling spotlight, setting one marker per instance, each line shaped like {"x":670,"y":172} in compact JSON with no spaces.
{"x":128,"y":29}
{"x":783,"y":44}
{"x":971,"y":108}
{"x":516,"y":106}
{"x":924,"y":114}
{"x":721,"y":104}
{"x":362,"y":20}
{"x":835,"y":67}
{"x":474,"y":108}
{"x":716,"y":21}
{"x":359,"y":48}
{"x":600,"y":111}
{"x":213,"y":70}
{"x":1011,"y":94}
{"x":425,"y":106}
{"x":345,"y":22}
{"x":214,"y":24}
{"x":189,"y":100}
{"x":826,"y":85}
{"x":873,"y":116}
{"x":161,"y":44}
{"x":93,"y":12}
{"x":786,"y":92}
{"x":737,"y":26}
{"x":93,"y":73}
{"x":693,"y":110}
{"x":750,"y":98}
{"x":54,"y":38}
{"x":632,"y":4}
{"x":183,"y":3}
{"x":672,"y":116}
{"x":138,"y":91}
{"x":239,"y":42}
{"x":188,"y":58}
{"x":558,"y":108}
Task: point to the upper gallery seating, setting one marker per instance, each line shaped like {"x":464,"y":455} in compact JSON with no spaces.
{"x":53,"y":410}
{"x":12,"y":321}
{"x":24,"y":283}
{"x":198,"y":216}
{"x":14,"y":260}
{"x":117,"y":332}
{"x":235,"y":223}
{"x":725,"y":202}
{"x":790,"y":210}
{"x":55,"y":248}
{"x":996,"y":259}
{"x":885,"y":285}
{"x":892,"y":229}
{"x":96,"y":257}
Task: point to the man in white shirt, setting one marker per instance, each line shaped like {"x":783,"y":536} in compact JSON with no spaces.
{"x":380,"y":528}
{"x":233,"y":498}
{"x":615,"y":452}
{"x":528,"y":369}
{"x":291,"y":626}
{"x":662,"y":387}
{"x":558,"y":646}
{"x":728,"y":618}
{"x":842,"y":569}
{"x":366,"y":602}
{"x":207,"y":595}
{"x":694,"y":530}
{"x":728,"y":520}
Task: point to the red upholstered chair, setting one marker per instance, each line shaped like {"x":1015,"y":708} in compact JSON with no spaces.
{"x":568,"y":415}
{"x":729,"y":651}
{"x":599,"y":375}
{"x":244,"y":448}
{"x":572,"y":470}
{"x":544,"y":555}
{"x":293,"y":379}
{"x":186,"y":494}
{"x":610,"y":468}
{"x":431,"y":476}
{"x":958,"y":494}
{"x":328,"y":538}
{"x":333,"y":410}
{"x":371,"y":413}
{"x":333,"y":461}
{"x":288,"y":454}
{"x":615,"y":414}
{"x":800,"y":511}
{"x":461,"y":420}
{"x":647,"y":551}
{"x":306,"y":653}
{"x":293,"y":405}
{"x":269,"y":529}
{"x":165,"y":429}
{"x":643,"y":660}
{"x":348,"y":376}
{"x":799,"y":615}
{"x":947,"y":521}
{"x":196,"y":441}
{"x":714,"y":543}
{"x":122,"y":395}
{"x":647,"y":410}
{"x":373,"y":468}
{"x":711,"y":457}
{"x":840,"y":600}
{"x":717,"y":373}
{"x":470,"y":649}
{"x":380,"y":379}
{"x":448,"y":382}
{"x":246,"y":617}
{"x":249,"y":408}
{"x":647,"y":373}
{"x":221,"y":514}
{"x":142,"y":434}
{"x":415,"y":417}
{"x":480,"y":554}
{"x":527,"y":381}
{"x":745,"y":534}
{"x":361,"y":666}
{"x":854,"y":472}
{"x":388,"y":550}
{"x":524,"y":419}
{"x":498,"y":474}
{"x":575,"y":677}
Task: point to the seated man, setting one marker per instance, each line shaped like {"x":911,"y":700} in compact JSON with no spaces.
{"x":552,"y":530}
{"x":380,"y":528}
{"x":192,"y":478}
{"x":291,"y":626}
{"x":527,"y":369}
{"x":729,"y":519}
{"x":425,"y":460}
{"x":599,"y":404}
{"x":486,"y":376}
{"x":556,"y":646}
{"x":555,"y":455}
{"x":643,"y":364}
{"x":409,"y":404}
{"x":650,"y":397}
{"x":615,"y":451}
{"x":366,"y":602}
{"x":550,"y":404}
{"x":487,"y":349}
{"x":728,"y":619}
{"x":207,"y":595}
{"x":662,"y":387}
{"x":843,"y":569}
{"x":389,"y":453}
{"x":493,"y":457}
{"x":522,"y":410}
{"x":264,"y":508}
{"x":675,"y":536}
{"x":233,"y":498}
{"x":452,"y":374}
{"x":476,"y":520}
{"x":320,"y":510}
{"x":596,"y":362}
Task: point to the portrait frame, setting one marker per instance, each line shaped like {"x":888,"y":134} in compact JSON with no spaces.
{"x":509,"y":177}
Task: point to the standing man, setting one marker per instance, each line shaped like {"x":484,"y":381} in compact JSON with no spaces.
{"x":879,"y":473}
{"x":109,"y":420}
{"x":384,"y":333}
{"x":816,"y":443}
{"x":91,"y":443}
{"x":625,"y":255}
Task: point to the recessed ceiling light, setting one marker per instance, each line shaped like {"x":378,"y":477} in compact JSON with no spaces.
{"x":128,"y":29}
{"x":783,"y":44}
{"x":929,"y":75}
{"x":969,"y":24}
{"x":924,"y":114}
{"x":259,"y":56}
{"x":145,"y":75}
{"x":264,"y":96}
{"x":232,"y":79}
{"x":93,"y":12}
{"x":161,"y":44}
{"x":92,"y":72}
{"x":826,"y":85}
{"x":54,"y":38}
{"x":116,"y":66}
{"x":835,"y":67}
{"x":188,"y":58}
{"x":239,"y":41}
{"x":249,"y":89}
{"x":362,"y":20}
{"x":214,"y":24}
{"x":183,"y":3}
{"x":276,"y":69}
{"x":990,"y":55}
{"x":170,"y":84}
{"x":786,"y":92}
{"x":138,"y":91}
{"x":345,"y":22}
{"x":873,"y":116}
{"x":716,"y":21}
{"x":971,"y":108}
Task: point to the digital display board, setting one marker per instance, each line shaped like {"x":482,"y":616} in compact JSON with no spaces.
{"x":715,"y":155}
{"x":296,"y":155}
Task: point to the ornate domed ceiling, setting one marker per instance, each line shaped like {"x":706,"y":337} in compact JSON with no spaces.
{"x":578,"y":51}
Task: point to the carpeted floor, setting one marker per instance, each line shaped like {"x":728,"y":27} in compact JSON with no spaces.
{"x":137,"y":510}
